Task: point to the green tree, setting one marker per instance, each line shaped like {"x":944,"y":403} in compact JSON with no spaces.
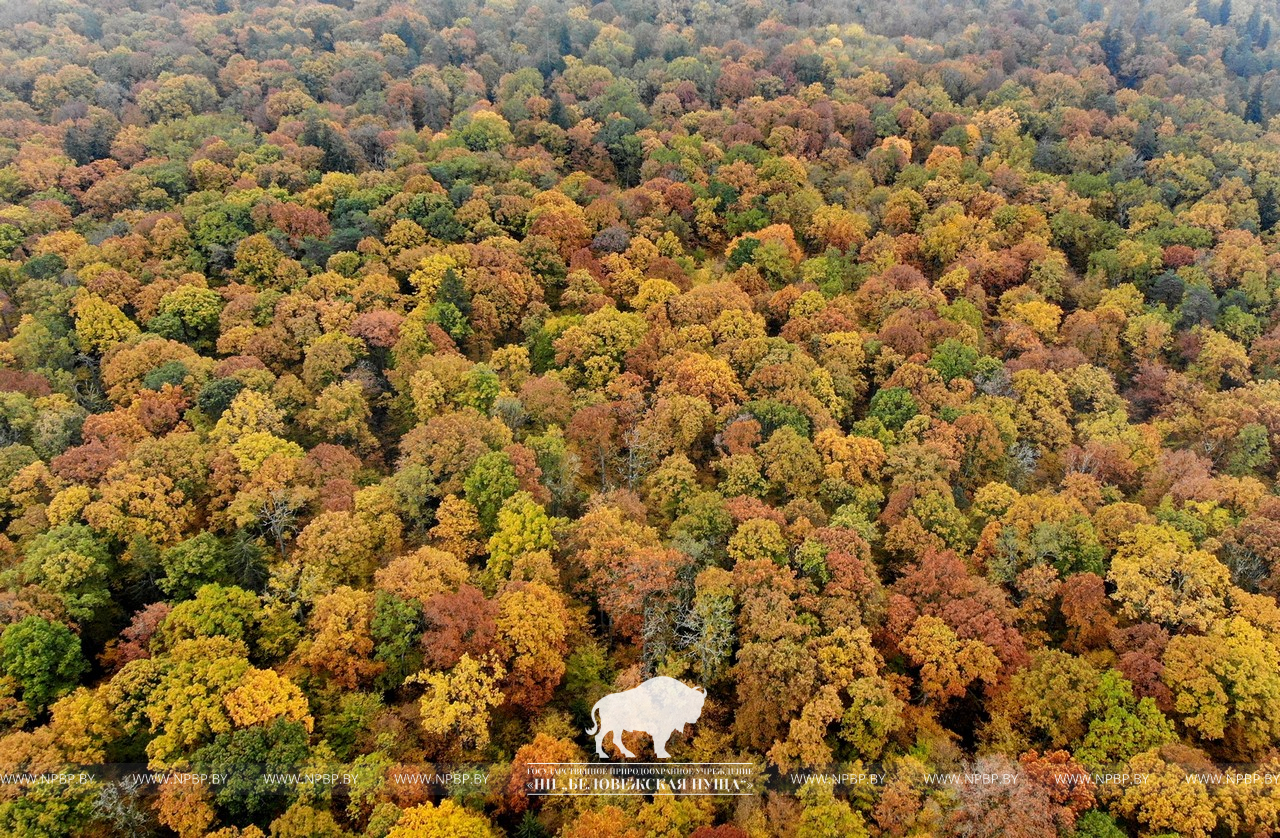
{"x":522,"y":528}
{"x":488,"y":484}
{"x":244,"y":757}
{"x":70,"y":561}
{"x":397,"y":630}
{"x":893,"y":406}
{"x":823,"y":814}
{"x":1121,"y":725}
{"x":193,"y":563}
{"x":44,"y":658}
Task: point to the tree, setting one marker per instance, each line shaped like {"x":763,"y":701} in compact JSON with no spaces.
{"x":822,"y":813}
{"x":457,"y":527}
{"x":43,"y":657}
{"x":422,"y":575}
{"x":791,"y":463}
{"x":458,"y":624}
{"x":341,"y":644}
{"x":397,"y":628}
{"x":1043,"y":406}
{"x":1121,"y":725}
{"x":301,"y":820}
{"x":49,"y":811}
{"x":1165,"y":801}
{"x":137,"y":502}
{"x":1085,"y":608}
{"x":874,"y":714}
{"x":487,"y":486}
{"x":1020,"y":808}
{"x":1224,"y":685}
{"x":99,"y":324}
{"x":456,"y":704}
{"x":1052,"y":698}
{"x":245,"y":757}
{"x":594,"y":348}
{"x":543,"y":749}
{"x":1221,"y":360}
{"x":257,"y":260}
{"x":1066,"y":783}
{"x":181,"y":699}
{"x":893,"y":406}
{"x":947,"y":665}
{"x":188,"y":313}
{"x":669,"y":816}
{"x":69,"y":561}
{"x":83,"y":725}
{"x":484,"y":131}
{"x":190,"y":564}
{"x":1159,"y":576}
{"x":338,"y":547}
{"x":806,"y":744}
{"x":612,"y":822}
{"x":447,"y":820}
{"x":522,"y":528}
{"x":532,"y":630}
{"x":342,"y":415}
{"x":215,"y":611}
{"x":626,"y":567}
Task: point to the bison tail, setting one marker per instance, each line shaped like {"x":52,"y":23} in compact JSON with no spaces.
{"x":595,"y":721}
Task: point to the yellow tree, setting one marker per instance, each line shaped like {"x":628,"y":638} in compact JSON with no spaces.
{"x":185,"y":707}
{"x":265,"y":695}
{"x":947,"y":664}
{"x":823,"y":814}
{"x":447,"y":820}
{"x":1226,"y":686}
{"x":806,"y":742}
{"x":341,"y":415}
{"x":422,"y":574}
{"x":341,"y":643}
{"x":1165,"y":802}
{"x":134,"y":502}
{"x":337,"y":548}
{"x":99,"y":324}
{"x":457,"y":528}
{"x":533,"y":627}
{"x":83,"y":725}
{"x":1043,"y":407}
{"x":849,"y":460}
{"x":1221,"y":360}
{"x":1159,"y":576}
{"x":456,"y":704}
{"x":672,"y":816}
{"x":523,"y":527}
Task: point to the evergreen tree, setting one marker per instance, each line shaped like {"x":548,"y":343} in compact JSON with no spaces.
{"x":1268,"y":210}
{"x":1253,"y":110}
{"x":1254,"y":23}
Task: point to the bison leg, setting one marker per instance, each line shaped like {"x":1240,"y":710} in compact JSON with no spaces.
{"x":617,"y":740}
{"x":660,"y":744}
{"x":600,"y":742}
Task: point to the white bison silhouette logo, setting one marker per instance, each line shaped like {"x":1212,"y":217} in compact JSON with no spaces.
{"x":660,"y":707}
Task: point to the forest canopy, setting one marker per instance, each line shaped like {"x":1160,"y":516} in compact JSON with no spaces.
{"x":384,"y":383}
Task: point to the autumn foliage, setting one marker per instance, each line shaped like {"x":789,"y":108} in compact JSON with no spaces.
{"x":382,"y":384}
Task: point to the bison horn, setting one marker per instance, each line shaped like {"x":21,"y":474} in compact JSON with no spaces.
{"x":702,"y":690}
